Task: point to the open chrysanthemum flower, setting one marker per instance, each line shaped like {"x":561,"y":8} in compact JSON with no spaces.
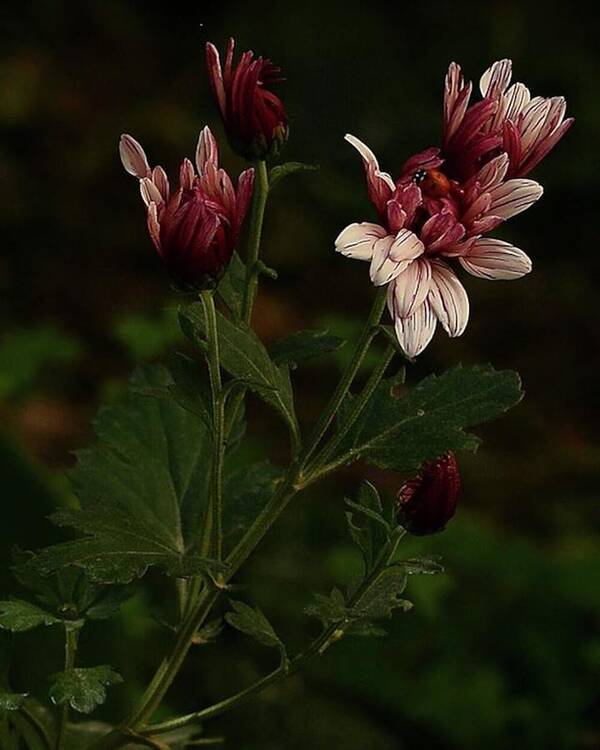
{"x":447,"y":199}
{"x":194,"y":228}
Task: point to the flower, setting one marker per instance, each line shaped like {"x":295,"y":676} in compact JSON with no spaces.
{"x":447,"y":199}
{"x":195,"y":228}
{"x":428,"y":501}
{"x":254,"y":117}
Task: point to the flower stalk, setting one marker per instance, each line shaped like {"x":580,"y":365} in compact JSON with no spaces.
{"x":71,"y":642}
{"x":259,"y":203}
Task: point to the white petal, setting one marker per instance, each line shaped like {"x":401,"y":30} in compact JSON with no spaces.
{"x":149,"y":192}
{"x":448,"y":299}
{"x":410,"y":288}
{"x":206,"y":150}
{"x":495,"y":259}
{"x":492,"y":174}
{"x":153,"y":225}
{"x":133,"y":156}
{"x":384,"y":268}
{"x":415,"y":332}
{"x":534,"y":117}
{"x":160,"y":179}
{"x":495,"y":80}
{"x":370,"y":159}
{"x":514,"y":196}
{"x":517,"y":98}
{"x":406,"y":246}
{"x":357,"y":240}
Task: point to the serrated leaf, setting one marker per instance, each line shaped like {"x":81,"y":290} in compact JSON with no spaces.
{"x":252,"y":622}
{"x":11,"y":701}
{"x":142,"y":490}
{"x":368,"y":528}
{"x":304,"y":345}
{"x":244,"y":356}
{"x":191,"y":387}
{"x":331,"y":609}
{"x":383,"y":595}
{"x":84,"y":689}
{"x":246,"y":492}
{"x":422,"y":566}
{"x":281,"y":171}
{"x":400,"y":432}
{"x":17,"y":616}
{"x":232,"y":285}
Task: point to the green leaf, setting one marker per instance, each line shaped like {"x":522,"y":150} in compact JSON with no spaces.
{"x":142,"y":490}
{"x":383,"y":595}
{"x":246,"y":492}
{"x":422,"y":565}
{"x":209,"y":632}
{"x":244,"y":356}
{"x":281,"y":171}
{"x":400,"y":432}
{"x":232,"y":285}
{"x":252,"y":622}
{"x":331,"y":609}
{"x":11,"y":701}
{"x":368,"y":528}
{"x":17,"y":616}
{"x":84,"y":689}
{"x":303,"y":345}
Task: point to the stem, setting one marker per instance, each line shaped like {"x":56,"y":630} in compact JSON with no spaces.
{"x":330,"y":635}
{"x":215,"y":525}
{"x":358,"y":406}
{"x":71,"y":640}
{"x":368,"y":334}
{"x":259,"y":201}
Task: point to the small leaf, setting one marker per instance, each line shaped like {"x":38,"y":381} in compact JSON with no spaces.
{"x":84,"y":689}
{"x":232,"y":285}
{"x":329,"y":609}
{"x":11,"y":701}
{"x":368,"y":528}
{"x":383,"y":596}
{"x":17,"y":616}
{"x":422,"y":565}
{"x":252,"y":622}
{"x":209,"y":632}
{"x":244,"y":356}
{"x":108,"y":604}
{"x":281,"y":171}
{"x":303,"y":345}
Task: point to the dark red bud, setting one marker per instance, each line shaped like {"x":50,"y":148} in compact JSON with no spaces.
{"x":428,"y":501}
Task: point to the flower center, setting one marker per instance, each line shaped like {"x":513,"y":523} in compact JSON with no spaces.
{"x":433,"y":183}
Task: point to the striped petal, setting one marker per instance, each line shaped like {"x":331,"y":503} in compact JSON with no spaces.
{"x":406,"y":246}
{"x":495,"y":80}
{"x":514,"y":196}
{"x":409,"y":290}
{"x":416,"y":331}
{"x":448,"y":299}
{"x":357,"y":240}
{"x":149,"y":192}
{"x":494,"y":259}
{"x":133,"y":157}
{"x":384,"y":268}
{"x":206,"y":150}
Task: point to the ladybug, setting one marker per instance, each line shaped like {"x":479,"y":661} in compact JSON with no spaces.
{"x":434,"y":183}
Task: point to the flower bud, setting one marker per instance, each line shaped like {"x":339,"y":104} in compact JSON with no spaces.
{"x":195,"y":228}
{"x":428,"y":501}
{"x":254,"y":117}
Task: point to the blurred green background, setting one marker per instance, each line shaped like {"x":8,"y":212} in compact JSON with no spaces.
{"x":503,"y":650}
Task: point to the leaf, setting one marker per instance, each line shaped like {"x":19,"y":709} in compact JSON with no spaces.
{"x":247,"y":490}
{"x":368,"y":528}
{"x":281,"y":171}
{"x":232,"y":285}
{"x":303,"y":345}
{"x":142,"y":489}
{"x":329,"y":609}
{"x":401,"y":432}
{"x":11,"y":701}
{"x":209,"y":632}
{"x":422,"y":565}
{"x":383,"y":595}
{"x":17,"y":616}
{"x":84,"y":689}
{"x":244,"y":356}
{"x":252,"y":622}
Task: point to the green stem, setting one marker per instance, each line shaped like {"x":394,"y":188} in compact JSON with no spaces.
{"x":259,"y":202}
{"x":71,"y":641}
{"x":330,"y":635}
{"x":358,"y":405}
{"x":368,"y":334}
{"x":215,"y":525}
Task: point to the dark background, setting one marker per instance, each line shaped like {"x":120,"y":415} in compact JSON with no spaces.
{"x":505,"y":648}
